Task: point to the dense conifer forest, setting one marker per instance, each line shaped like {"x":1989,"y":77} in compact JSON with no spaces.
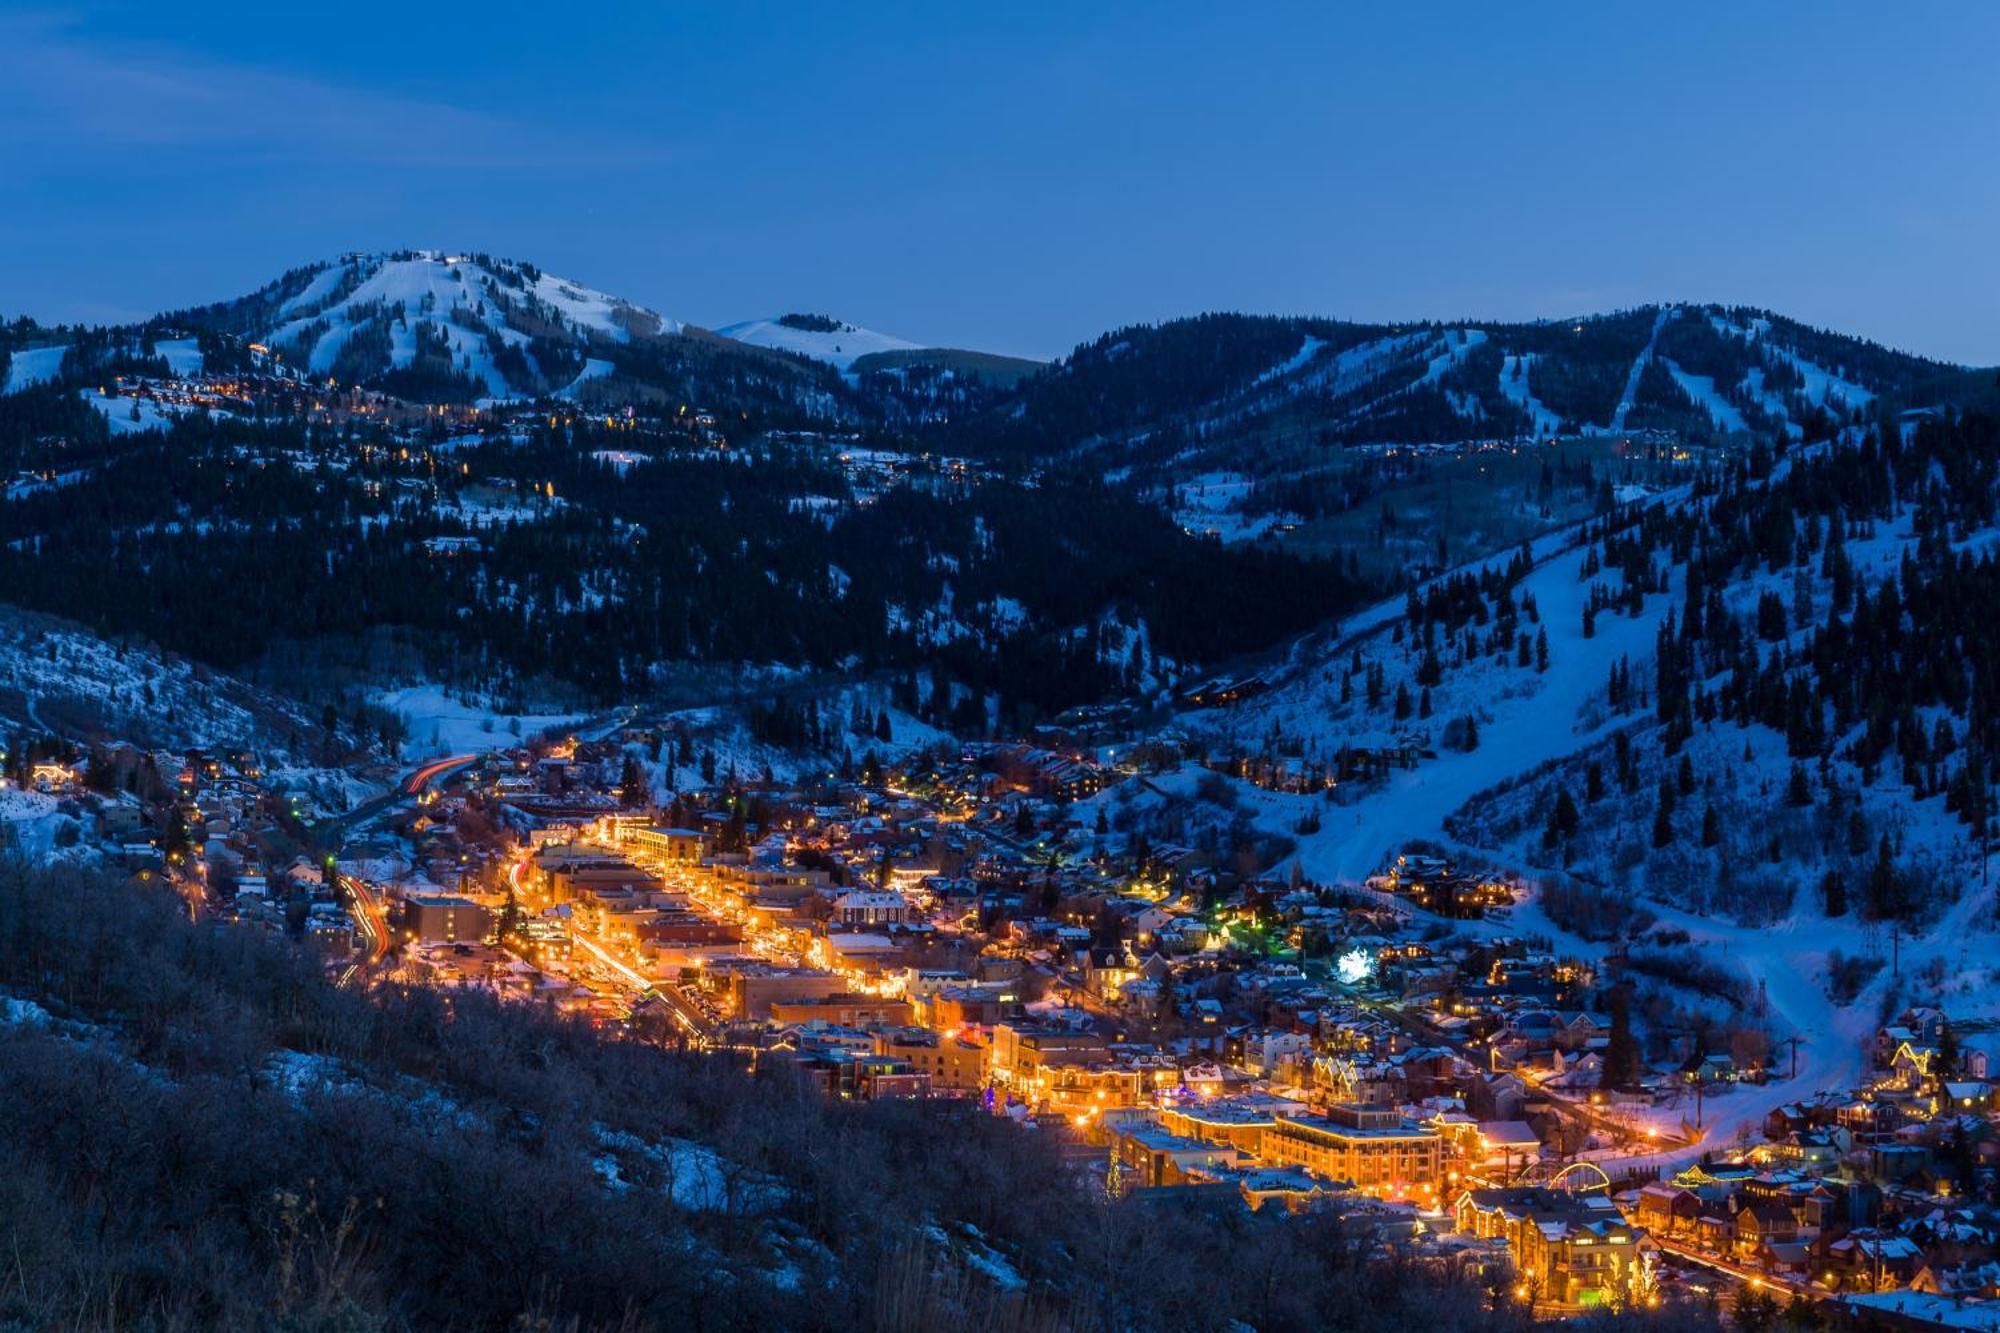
{"x":537,"y":559}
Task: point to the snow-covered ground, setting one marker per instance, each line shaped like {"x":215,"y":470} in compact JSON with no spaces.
{"x":34,"y":365}
{"x":1308,"y":349}
{"x":1530,"y":718}
{"x":694,"y":1175}
{"x":593,"y":369}
{"x":440,"y":722}
{"x":62,"y":673}
{"x":720,"y":736}
{"x":1819,"y":386}
{"x":1701,"y":389}
{"x":183,"y":355}
{"x":1514,"y":382}
{"x":57,"y":678}
{"x":839,"y":348}
{"x":1212,"y":503}
{"x":1458,"y":344}
{"x":30,"y":823}
{"x":125,"y":415}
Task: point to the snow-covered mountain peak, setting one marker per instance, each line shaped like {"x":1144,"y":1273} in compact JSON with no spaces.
{"x":510,"y":327}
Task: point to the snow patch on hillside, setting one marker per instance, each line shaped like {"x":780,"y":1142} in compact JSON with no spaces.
{"x":56,"y":677}
{"x":30,"y":823}
{"x":1212,"y":505}
{"x":1514,"y":383}
{"x":126,"y":416}
{"x":1821,"y":384}
{"x":182,"y":355}
{"x":593,"y":369}
{"x":839,"y":348}
{"x":1457,"y":345}
{"x":1701,"y":390}
{"x":1296,"y":361}
{"x":30,"y":366}
{"x":1773,"y":402}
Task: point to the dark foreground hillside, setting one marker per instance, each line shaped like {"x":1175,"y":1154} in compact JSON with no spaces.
{"x":201,"y":1133}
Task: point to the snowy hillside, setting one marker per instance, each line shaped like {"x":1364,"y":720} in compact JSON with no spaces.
{"x":33,"y":825}
{"x":509,"y":327}
{"x":60,"y":680}
{"x":440,"y":722}
{"x":1718,"y":370}
{"x":837,"y":730}
{"x":30,"y":366}
{"x":1723,"y":747}
{"x":833,"y":341}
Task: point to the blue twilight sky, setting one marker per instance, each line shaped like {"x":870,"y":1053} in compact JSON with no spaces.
{"x":1022,"y":176}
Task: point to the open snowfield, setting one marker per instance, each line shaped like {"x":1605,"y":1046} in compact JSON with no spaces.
{"x":126,"y":415}
{"x":29,"y":822}
{"x":30,"y":366}
{"x":440,"y":723}
{"x":182,"y":355}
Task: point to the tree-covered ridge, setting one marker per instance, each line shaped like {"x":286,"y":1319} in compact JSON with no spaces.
{"x":1214,"y":376}
{"x":537,"y":559}
{"x":1842,"y":599}
{"x":1132,"y":376}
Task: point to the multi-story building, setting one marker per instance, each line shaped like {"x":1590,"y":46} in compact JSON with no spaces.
{"x":1374,"y":1150}
{"x":446,"y":920}
{"x":1237,"y":1124}
{"x":954,"y":1066}
{"x":672,"y":846}
{"x":1160,"y":1157}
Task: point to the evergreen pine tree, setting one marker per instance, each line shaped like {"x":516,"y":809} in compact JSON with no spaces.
{"x":1883,"y":892}
{"x":1621,"y":1051}
{"x":1566,"y":818}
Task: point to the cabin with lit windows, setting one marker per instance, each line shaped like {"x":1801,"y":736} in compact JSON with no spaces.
{"x":1668,"y":1210}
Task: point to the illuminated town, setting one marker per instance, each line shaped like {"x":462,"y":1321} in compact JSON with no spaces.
{"x":949,"y":930}
{"x":1062,"y":669}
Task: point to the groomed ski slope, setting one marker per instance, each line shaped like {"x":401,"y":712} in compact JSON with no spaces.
{"x":1524,"y":732}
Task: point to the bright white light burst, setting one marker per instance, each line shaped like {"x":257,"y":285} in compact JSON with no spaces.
{"x":1354,"y":967}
